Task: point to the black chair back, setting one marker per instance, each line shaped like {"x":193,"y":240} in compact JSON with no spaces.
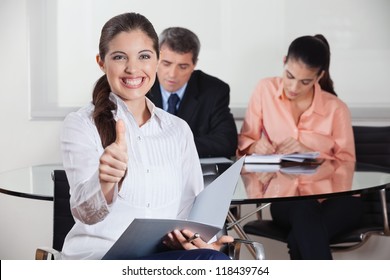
{"x":372,"y":145}
{"x":63,"y":220}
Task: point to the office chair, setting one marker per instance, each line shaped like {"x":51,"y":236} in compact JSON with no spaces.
{"x":62,"y":217}
{"x":372,"y":146}
{"x":63,"y":221}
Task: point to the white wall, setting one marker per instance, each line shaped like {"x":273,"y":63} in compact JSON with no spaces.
{"x":26,"y":224}
{"x":24,"y":142}
{"x":242,"y":41}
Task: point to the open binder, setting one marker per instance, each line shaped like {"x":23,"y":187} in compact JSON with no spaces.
{"x":144,"y":237}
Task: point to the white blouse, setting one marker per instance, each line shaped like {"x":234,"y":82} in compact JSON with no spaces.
{"x":164,"y":176}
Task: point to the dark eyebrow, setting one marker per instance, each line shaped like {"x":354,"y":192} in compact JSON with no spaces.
{"x":288,"y":72}
{"x":117,"y":52}
{"x":147,"y":50}
{"x":306,"y":80}
{"x":122,"y":52}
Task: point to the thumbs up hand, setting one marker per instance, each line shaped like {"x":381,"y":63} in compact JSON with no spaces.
{"x":113,"y":162}
{"x":121,"y":135}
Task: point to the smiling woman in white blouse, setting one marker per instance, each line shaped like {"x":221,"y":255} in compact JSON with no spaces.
{"x":125,"y":158}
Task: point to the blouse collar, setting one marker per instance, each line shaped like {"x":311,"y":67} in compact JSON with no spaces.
{"x":317,"y":105}
{"x":122,"y":107}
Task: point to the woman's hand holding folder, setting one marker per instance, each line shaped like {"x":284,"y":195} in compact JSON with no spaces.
{"x":187,"y":240}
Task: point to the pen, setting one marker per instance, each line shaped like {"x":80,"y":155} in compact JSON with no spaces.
{"x":192,"y":238}
{"x":266,"y":134}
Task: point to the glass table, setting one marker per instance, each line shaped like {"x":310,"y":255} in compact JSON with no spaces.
{"x":269,"y":183}
{"x":263,"y":184}
{"x":33,"y":182}
{"x":258,"y":184}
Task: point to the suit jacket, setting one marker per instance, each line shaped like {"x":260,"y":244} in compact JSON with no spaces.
{"x":205,"y":107}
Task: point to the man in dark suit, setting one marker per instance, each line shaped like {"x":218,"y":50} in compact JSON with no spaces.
{"x":201,"y":100}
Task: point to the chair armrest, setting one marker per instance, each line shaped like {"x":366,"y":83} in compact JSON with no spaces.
{"x":235,"y":247}
{"x":46,"y":253}
{"x":209,"y":169}
{"x":386,"y":227}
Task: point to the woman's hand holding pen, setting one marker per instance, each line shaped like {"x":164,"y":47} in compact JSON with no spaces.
{"x":113,"y":162}
{"x":188,"y":240}
{"x":291,"y":145}
{"x":262,"y":147}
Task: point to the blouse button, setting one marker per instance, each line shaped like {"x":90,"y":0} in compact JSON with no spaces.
{"x":139,"y":138}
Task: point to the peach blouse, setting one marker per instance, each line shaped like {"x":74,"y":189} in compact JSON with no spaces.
{"x":324,"y":127}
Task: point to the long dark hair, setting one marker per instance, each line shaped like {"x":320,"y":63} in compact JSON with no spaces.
{"x":103,"y":117}
{"x":314,"y":51}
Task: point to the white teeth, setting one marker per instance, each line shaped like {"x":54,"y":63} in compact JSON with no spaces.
{"x":133,"y":82}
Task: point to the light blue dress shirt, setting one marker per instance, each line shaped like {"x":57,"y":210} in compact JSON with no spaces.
{"x":165,"y":95}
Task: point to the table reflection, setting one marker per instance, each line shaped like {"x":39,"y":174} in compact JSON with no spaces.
{"x":267,"y":181}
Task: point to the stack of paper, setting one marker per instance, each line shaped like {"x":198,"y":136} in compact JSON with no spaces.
{"x":215,"y":160}
{"x":266,"y":168}
{"x":278,"y":158}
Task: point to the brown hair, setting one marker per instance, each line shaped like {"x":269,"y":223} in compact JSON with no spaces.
{"x":314,"y":51}
{"x":103,"y":117}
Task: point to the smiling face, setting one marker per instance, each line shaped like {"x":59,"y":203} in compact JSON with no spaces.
{"x":299,"y":80}
{"x":175,"y":69}
{"x":130,"y":65}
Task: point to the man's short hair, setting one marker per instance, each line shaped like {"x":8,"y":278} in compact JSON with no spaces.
{"x":181,"y":40}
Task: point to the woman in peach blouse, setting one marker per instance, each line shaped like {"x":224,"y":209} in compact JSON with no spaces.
{"x":300,"y":112}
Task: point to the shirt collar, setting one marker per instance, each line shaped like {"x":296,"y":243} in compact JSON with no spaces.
{"x":279,"y":93}
{"x":165,"y":95}
{"x":317,"y":104}
{"x":154,"y":111}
